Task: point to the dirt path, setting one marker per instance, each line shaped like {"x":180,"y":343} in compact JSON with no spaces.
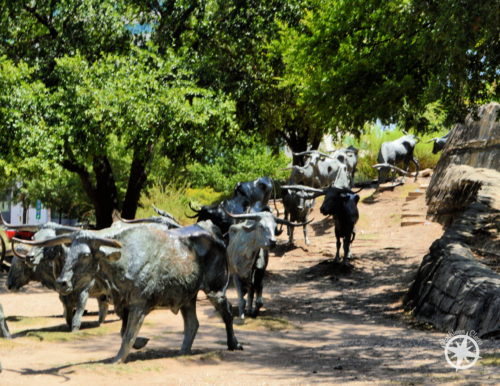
{"x":321,"y":322}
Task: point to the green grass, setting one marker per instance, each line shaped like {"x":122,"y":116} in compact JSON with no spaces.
{"x":66,"y":336}
{"x":175,"y":200}
{"x":490,"y":359}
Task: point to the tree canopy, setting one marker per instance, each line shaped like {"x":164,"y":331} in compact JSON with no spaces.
{"x":105,"y":89}
{"x":357,"y":61}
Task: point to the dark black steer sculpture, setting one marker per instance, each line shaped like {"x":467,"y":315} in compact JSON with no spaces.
{"x":258,"y":190}
{"x":342,"y":204}
{"x":439,"y":142}
{"x":247,"y":196}
{"x":297,"y":208}
{"x":150,"y":266}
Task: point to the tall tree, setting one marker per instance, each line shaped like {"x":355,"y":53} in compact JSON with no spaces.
{"x":95,"y":104}
{"x":357,"y":61}
{"x":228,"y":45}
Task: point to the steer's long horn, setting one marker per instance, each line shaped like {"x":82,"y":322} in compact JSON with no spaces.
{"x":385,"y":165}
{"x":163,"y":213}
{"x":27,"y":227}
{"x":293,"y":224}
{"x":312,"y":152}
{"x":432,"y":140}
{"x":302,"y":187}
{"x":306,"y":189}
{"x":16,"y":253}
{"x":66,"y":228}
{"x":193,"y":209}
{"x":58,"y":240}
{"x":107,"y":242}
{"x":244,"y":216}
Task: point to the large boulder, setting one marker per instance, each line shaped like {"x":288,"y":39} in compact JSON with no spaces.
{"x":458,"y":283}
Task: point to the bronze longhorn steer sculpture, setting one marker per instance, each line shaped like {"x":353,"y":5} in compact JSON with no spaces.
{"x":297,"y":208}
{"x":439,"y":142}
{"x":44,"y":264}
{"x":150,"y":266}
{"x":248,"y":254}
{"x":393,"y":152}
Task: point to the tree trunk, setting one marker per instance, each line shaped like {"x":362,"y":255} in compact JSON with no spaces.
{"x":26,"y":206}
{"x":103,"y":194}
{"x":137,"y":178}
{"x":106,"y":195}
{"x":298,"y":142}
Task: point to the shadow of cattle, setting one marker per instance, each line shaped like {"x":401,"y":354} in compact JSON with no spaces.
{"x":323,"y":226}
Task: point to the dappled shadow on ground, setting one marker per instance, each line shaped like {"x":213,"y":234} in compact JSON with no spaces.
{"x":282,"y":248}
{"x":347,"y":354}
{"x":331,"y":289}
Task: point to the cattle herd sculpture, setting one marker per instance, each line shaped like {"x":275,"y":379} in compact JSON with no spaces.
{"x":139,"y":265}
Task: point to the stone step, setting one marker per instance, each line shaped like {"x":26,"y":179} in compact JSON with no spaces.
{"x":411,"y":214}
{"x":406,"y":223}
{"x":417,"y":193}
{"x":413,"y":196}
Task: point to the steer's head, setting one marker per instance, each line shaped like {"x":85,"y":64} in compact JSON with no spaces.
{"x":265,"y":230}
{"x":264,"y":224}
{"x":84,"y":249}
{"x":338,"y":199}
{"x":25,"y":265}
{"x":82,"y":261}
{"x":19,"y":275}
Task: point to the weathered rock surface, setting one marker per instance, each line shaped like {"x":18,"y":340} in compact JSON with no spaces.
{"x":458,"y":283}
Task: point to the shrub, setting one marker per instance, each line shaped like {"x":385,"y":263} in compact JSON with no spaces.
{"x":241,"y":164}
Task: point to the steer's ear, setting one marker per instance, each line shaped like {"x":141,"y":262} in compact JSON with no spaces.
{"x":109,"y":253}
{"x":356,"y":198}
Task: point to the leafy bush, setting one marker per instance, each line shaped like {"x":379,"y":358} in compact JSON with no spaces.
{"x":240,"y":164}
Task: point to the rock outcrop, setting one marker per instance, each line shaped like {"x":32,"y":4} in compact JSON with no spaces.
{"x":458,"y":283}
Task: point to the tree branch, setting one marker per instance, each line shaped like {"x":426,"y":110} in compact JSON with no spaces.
{"x":44,"y":21}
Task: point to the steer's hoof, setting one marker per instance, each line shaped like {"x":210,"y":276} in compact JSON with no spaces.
{"x":116,"y":359}
{"x":239,"y":321}
{"x":140,"y":342}
{"x":184,"y":352}
{"x":235,"y":347}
